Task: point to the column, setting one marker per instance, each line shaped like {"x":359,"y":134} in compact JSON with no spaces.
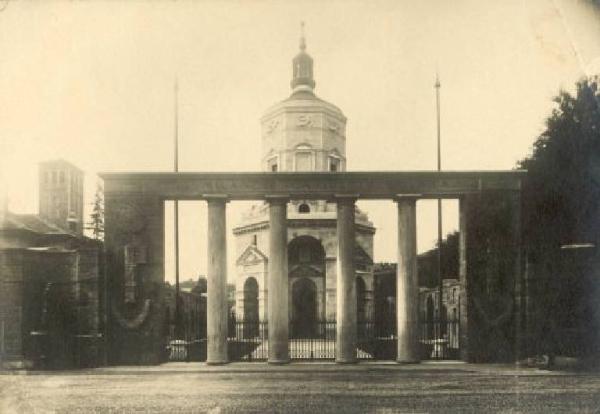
{"x":407,"y":284}
{"x":463,"y":295}
{"x":345,"y":349}
{"x":217,"y":312}
{"x":278,"y":282}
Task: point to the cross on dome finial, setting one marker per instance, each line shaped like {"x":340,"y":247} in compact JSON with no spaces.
{"x":302,"y":67}
{"x":302,"y":39}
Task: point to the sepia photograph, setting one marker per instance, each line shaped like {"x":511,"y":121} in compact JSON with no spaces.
{"x":299,"y":206}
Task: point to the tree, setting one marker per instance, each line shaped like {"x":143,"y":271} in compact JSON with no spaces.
{"x":96,"y":223}
{"x":427,"y":262}
{"x":562,"y":192}
{"x":561,"y":210}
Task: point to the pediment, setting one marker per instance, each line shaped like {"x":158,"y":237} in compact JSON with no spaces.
{"x":361,"y":256}
{"x":250,"y":256}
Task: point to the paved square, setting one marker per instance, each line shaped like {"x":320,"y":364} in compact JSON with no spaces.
{"x":301,"y":388}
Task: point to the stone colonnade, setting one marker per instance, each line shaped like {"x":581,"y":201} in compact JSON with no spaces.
{"x":134,"y":243}
{"x":346,"y":335}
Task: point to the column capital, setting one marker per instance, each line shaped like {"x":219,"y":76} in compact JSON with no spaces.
{"x":216,"y":197}
{"x":347,"y":198}
{"x":406,"y":197}
{"x":277,"y":198}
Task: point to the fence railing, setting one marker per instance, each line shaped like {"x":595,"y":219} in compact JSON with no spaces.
{"x":440,"y":339}
{"x":249,"y":341}
{"x":312,"y":341}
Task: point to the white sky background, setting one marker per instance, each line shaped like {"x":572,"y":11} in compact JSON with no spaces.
{"x":92,"y":82}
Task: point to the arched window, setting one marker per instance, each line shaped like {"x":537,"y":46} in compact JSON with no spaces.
{"x":361,"y":301}
{"x":334,"y":164}
{"x":250,"y":308}
{"x":272,"y":164}
{"x":304,"y":208}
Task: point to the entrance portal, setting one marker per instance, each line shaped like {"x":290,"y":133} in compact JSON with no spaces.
{"x":304,"y":309}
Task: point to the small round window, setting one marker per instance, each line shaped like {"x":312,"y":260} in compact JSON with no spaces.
{"x":304,"y":208}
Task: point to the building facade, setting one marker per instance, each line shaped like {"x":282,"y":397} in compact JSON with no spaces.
{"x":51,"y":280}
{"x":303,"y":133}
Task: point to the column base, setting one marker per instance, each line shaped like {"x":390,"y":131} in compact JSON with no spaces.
{"x":223,"y":362}
{"x":278,"y":361}
{"x":346,"y":361}
{"x":408,"y":361}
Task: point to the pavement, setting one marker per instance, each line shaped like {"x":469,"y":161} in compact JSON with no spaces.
{"x":367,"y":387}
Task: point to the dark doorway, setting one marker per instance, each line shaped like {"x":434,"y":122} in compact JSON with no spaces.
{"x":385,"y":304}
{"x":429,"y":319}
{"x":304,"y":309}
{"x":361,"y":305}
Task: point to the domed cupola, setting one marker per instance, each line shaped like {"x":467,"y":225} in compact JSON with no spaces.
{"x":302,"y":68}
{"x":303,"y":132}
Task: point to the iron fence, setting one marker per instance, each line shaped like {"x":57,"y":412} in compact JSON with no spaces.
{"x":314,"y":341}
{"x":440,"y":339}
{"x":249,"y":341}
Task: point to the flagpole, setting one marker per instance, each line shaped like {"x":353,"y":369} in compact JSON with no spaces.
{"x":439,"y":208}
{"x":176,"y":215}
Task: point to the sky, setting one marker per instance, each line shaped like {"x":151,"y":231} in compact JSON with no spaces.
{"x":92,"y":82}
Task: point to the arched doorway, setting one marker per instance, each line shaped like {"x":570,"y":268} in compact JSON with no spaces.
{"x":304,"y":309}
{"x":429,"y":318}
{"x":444,"y":322}
{"x":385,"y":304}
{"x":306,"y":264}
{"x":361,"y":314}
{"x":250,"y":307}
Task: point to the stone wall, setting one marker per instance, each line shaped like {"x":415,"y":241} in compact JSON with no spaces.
{"x":38,"y":308}
{"x":11,"y":315}
{"x":492,"y":285}
{"x":134,"y":229}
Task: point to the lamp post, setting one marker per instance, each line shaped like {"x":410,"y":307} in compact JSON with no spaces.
{"x":437,"y":86}
{"x":176,"y":216}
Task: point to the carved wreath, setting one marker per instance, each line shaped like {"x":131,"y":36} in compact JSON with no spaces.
{"x":137,"y":321}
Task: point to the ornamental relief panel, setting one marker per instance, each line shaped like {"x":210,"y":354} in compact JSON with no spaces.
{"x":304,"y":121}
